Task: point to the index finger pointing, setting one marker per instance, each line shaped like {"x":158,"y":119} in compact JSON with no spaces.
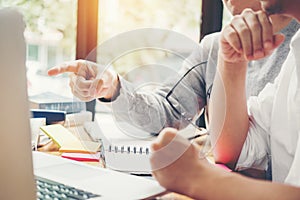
{"x":65,"y":67}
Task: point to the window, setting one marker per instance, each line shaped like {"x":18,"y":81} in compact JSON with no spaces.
{"x":140,"y":66}
{"x":119,"y":16}
{"x":50,"y":37}
{"x":32,"y":52}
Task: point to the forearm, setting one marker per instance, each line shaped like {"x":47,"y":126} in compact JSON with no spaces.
{"x":148,"y":110}
{"x":228,"y":185}
{"x":229,"y":121}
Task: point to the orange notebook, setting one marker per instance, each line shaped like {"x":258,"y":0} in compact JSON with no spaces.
{"x":67,"y":142}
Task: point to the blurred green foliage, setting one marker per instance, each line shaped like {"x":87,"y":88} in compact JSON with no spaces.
{"x":44,"y":16}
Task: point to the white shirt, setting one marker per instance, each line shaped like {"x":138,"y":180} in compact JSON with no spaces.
{"x":275,"y":123}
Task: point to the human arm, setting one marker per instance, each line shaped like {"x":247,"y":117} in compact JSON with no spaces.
{"x":146,"y":109}
{"x":249,"y":37}
{"x":197,"y":178}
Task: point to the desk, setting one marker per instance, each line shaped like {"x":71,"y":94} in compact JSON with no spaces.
{"x":169,"y":196}
{"x":80,"y":133}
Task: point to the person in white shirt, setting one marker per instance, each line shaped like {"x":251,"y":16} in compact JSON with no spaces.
{"x":271,"y":128}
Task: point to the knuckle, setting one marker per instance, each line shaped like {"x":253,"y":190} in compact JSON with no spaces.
{"x":236,"y":44}
{"x":79,"y":84}
{"x":68,"y":67}
{"x":231,"y":33}
{"x":236,"y":18}
{"x":247,"y":11}
{"x":244,"y":30}
{"x":264,"y":18}
{"x":256,"y":26}
{"x":227,"y":28}
{"x":79,"y":61}
{"x":260,"y":12}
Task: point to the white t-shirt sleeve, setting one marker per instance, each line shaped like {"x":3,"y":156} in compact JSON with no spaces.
{"x":256,"y":149}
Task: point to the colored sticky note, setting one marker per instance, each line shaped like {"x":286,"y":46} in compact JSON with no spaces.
{"x":67,"y":141}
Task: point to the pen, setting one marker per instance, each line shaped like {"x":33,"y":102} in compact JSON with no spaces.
{"x":202,"y":132}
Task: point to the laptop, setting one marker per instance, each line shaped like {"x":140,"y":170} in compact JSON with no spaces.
{"x":30,"y":175}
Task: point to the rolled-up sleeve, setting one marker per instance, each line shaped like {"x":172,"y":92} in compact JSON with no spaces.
{"x":255,"y":152}
{"x":256,"y":149}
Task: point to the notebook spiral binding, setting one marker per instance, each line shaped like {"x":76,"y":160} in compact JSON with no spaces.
{"x":128,"y":149}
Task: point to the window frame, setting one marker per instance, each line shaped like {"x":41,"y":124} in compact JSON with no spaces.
{"x":86,"y":36}
{"x":87,"y":29}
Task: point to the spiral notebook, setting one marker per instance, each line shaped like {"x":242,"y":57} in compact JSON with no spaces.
{"x":126,"y":156}
{"x":121,"y":152}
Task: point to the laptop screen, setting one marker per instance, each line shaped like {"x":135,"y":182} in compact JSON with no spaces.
{"x":17,"y":180}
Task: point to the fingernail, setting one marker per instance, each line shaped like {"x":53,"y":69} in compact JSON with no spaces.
{"x":250,"y":57}
{"x":258,"y":54}
{"x":268,"y":45}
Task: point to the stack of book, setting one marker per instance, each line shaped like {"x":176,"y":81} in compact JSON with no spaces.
{"x":52,"y":101}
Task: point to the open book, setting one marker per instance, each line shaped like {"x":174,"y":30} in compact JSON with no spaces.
{"x":122,"y":152}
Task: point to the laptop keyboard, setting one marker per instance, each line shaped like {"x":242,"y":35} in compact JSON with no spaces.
{"x":47,"y":189}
